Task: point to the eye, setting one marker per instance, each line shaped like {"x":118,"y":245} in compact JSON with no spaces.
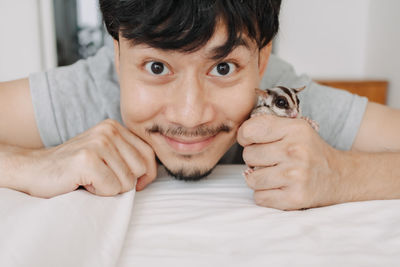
{"x":281,"y":102}
{"x":223,"y":69}
{"x":157,"y":68}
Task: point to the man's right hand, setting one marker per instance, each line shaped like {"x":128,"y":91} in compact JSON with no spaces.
{"x":106,"y":159}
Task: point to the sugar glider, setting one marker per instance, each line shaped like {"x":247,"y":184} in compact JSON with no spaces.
{"x":279,"y":101}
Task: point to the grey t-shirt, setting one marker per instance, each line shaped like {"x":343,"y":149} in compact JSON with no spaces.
{"x":69,"y":100}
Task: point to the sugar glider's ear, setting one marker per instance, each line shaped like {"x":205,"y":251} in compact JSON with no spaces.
{"x":261,"y":93}
{"x":297,"y":90}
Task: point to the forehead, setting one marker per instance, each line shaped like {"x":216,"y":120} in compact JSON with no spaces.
{"x":220,"y":37}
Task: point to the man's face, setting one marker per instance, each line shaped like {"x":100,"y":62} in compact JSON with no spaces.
{"x":188,"y":106}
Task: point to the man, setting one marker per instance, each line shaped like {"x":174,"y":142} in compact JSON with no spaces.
{"x":187,"y":72}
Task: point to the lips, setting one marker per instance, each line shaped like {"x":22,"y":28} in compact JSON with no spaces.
{"x":189,"y":146}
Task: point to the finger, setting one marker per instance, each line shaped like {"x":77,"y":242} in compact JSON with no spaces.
{"x":100,"y":179}
{"x":143,"y":163}
{"x":262,"y":155}
{"x":137,"y":163}
{"x":274,"y":198}
{"x":266,"y":178}
{"x":263,"y":129}
{"x":144,"y":150}
{"x":113,"y":159}
{"x":133,"y":158}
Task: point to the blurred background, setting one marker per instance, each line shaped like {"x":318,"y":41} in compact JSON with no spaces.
{"x":330,"y":40}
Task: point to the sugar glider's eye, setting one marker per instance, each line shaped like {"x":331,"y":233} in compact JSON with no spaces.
{"x":223,"y":69}
{"x":281,"y":102}
{"x":157,"y":68}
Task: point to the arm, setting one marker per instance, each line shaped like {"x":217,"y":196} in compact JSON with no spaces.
{"x":374,"y":161}
{"x":17,"y":119}
{"x":380,"y":130}
{"x":106,"y":159}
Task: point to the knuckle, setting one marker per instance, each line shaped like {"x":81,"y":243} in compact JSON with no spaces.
{"x":293,"y":150}
{"x":101,"y":141}
{"x":292,"y":173}
{"x":297,"y":151}
{"x":86,"y":156}
{"x":297,"y":174}
{"x":108,"y":127}
{"x":246,"y":131}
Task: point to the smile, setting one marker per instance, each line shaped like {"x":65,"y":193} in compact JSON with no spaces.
{"x":188,"y":146}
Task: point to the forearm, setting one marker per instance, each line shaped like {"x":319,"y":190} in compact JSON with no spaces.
{"x":13,"y":167}
{"x":369,"y":176}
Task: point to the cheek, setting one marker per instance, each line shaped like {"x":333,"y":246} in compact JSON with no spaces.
{"x":238,"y":109}
{"x":238,"y":102}
{"x":138,"y":103}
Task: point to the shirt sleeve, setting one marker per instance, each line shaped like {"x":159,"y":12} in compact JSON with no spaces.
{"x":69,"y":100}
{"x":338,"y":112}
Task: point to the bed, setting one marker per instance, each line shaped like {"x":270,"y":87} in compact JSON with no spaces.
{"x":213,"y":222}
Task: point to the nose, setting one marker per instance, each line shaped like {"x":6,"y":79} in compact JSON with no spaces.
{"x":190,"y":104}
{"x":293,"y":114}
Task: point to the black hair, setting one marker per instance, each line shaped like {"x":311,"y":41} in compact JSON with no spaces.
{"x":187,"y":25}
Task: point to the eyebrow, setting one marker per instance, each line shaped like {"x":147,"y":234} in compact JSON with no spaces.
{"x":217,"y":53}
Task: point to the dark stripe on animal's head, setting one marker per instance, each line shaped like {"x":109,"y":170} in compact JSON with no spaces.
{"x":288,"y":92}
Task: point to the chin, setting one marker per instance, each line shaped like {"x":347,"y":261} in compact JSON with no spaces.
{"x":189,"y":175}
{"x":190,"y":170}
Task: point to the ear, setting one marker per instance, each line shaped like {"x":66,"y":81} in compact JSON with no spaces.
{"x":297,"y":90}
{"x":265,"y":52}
{"x":116,"y":55}
{"x":261,"y":93}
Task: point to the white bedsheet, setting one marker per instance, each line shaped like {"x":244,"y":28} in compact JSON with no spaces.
{"x":213,"y":222}
{"x":75,"y":229}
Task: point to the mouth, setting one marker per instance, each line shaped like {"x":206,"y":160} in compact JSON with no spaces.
{"x":189,"y":145}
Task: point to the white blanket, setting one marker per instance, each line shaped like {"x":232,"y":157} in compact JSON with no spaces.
{"x":213,"y":222}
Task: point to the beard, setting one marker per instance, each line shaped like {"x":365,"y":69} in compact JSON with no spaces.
{"x":187,"y":174}
{"x":192,"y":175}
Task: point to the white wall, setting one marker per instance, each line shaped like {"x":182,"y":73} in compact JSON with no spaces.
{"x":383,"y":46}
{"x":342,"y":39}
{"x":88,"y":13}
{"x":324,"y":38}
{"x":27,"y":38}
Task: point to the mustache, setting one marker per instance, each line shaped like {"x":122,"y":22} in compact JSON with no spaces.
{"x":182,"y":131}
